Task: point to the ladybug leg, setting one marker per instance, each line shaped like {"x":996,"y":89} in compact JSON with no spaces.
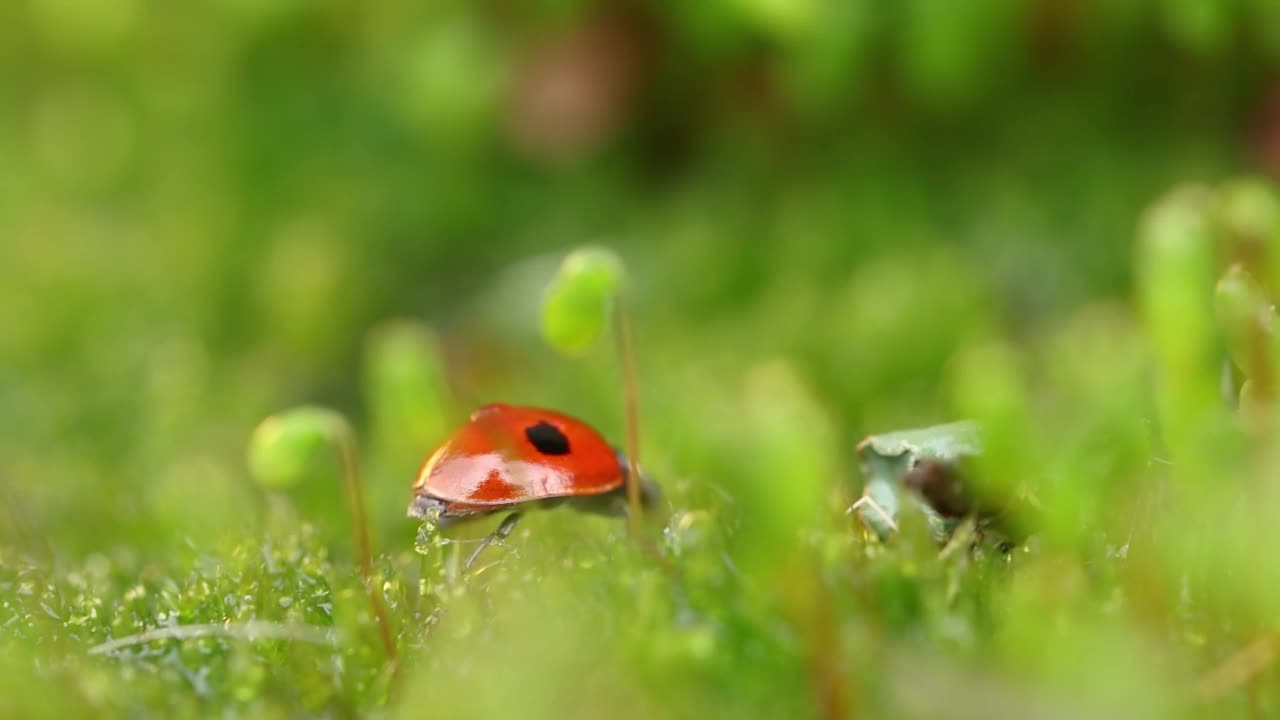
{"x":501,"y":533}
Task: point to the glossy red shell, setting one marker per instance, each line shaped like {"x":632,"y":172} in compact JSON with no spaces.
{"x":492,"y":461}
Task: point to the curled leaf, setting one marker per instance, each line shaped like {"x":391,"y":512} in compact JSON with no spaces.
{"x":886,"y":460}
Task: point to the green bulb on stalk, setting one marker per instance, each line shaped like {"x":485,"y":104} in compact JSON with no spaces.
{"x":283,"y":449}
{"x":587,"y":289}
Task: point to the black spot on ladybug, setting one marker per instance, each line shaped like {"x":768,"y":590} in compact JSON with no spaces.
{"x":547,"y":439}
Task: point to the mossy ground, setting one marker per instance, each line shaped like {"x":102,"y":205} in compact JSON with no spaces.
{"x":834,"y":219}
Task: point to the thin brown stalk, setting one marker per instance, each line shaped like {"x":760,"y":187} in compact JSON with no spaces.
{"x":830,"y":691}
{"x":631,"y":406}
{"x":1238,"y":669}
{"x":349,"y":468}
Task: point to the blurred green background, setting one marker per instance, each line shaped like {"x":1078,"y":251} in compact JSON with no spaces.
{"x":830,"y":212}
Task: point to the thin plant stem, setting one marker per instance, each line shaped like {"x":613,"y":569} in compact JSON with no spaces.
{"x":631,"y":407}
{"x":250,"y":630}
{"x":832,"y":696}
{"x":1239,"y":668}
{"x":349,"y":467}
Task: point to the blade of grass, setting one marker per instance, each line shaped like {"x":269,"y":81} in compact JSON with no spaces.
{"x":251,"y":630}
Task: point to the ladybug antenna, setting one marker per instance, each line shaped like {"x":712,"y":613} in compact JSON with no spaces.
{"x":631,"y":406}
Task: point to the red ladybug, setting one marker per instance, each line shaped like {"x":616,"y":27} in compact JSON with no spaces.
{"x":509,"y":458}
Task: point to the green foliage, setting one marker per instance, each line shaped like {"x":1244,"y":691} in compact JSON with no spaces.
{"x":838,"y":218}
{"x":406,"y":386}
{"x":1175,"y":287}
{"x":94,"y":615}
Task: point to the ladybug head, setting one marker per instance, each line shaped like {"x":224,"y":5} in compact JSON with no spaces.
{"x":426,"y":508}
{"x":438,"y":512}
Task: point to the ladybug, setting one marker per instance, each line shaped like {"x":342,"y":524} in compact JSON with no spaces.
{"x":512,"y":458}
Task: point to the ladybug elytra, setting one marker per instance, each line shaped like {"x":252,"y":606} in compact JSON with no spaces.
{"x":507,"y":458}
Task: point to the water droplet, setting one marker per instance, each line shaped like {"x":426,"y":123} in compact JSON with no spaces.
{"x":687,"y":530}
{"x":429,"y":540}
